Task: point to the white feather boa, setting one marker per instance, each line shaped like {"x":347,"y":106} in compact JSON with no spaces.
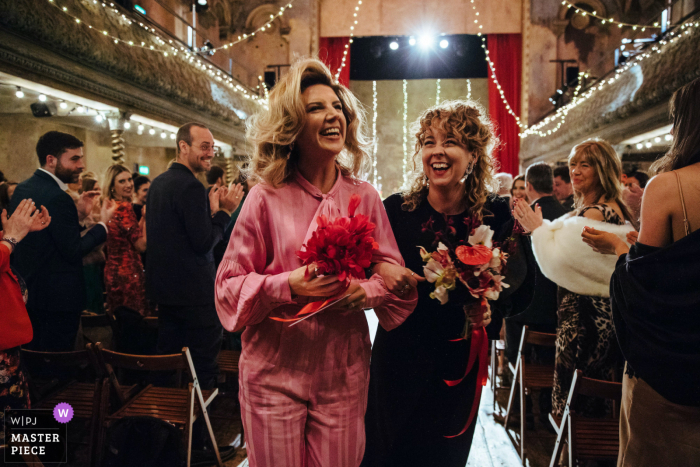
{"x":567,"y":261}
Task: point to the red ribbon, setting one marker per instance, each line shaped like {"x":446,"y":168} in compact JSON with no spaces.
{"x":308,"y":309}
{"x":478,"y":349}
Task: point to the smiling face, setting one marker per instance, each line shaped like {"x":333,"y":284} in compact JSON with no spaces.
{"x":584,"y":177}
{"x":68,"y":166}
{"x":519,"y":190}
{"x":323,"y":135}
{"x":445,"y":158}
{"x":123,"y":187}
{"x":198,"y":155}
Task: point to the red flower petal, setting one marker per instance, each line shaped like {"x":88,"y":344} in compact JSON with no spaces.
{"x":473,"y":255}
{"x":355,"y":201}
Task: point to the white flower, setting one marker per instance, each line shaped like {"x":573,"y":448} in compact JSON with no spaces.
{"x":496,"y":259}
{"x":441,"y":294}
{"x":482,"y":236}
{"x":425,"y":256}
{"x":491,"y":294}
{"x":433,"y":270}
{"x":441,"y":247}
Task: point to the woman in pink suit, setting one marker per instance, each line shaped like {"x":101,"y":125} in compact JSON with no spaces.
{"x":303,"y":388}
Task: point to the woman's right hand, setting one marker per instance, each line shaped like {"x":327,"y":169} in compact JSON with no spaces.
{"x":21,"y":221}
{"x":305,"y":283}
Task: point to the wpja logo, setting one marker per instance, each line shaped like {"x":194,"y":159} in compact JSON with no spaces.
{"x":37,"y":435}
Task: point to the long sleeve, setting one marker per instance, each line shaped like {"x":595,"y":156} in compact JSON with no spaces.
{"x":203,"y":231}
{"x":567,"y":261}
{"x":65,"y":230}
{"x":244,"y":294}
{"x":391,"y":310}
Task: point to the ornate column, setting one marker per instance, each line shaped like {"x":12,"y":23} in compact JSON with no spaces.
{"x":116,"y":132}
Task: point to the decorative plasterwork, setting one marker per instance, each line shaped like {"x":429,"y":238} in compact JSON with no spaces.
{"x":43,"y":42}
{"x":635,"y":103}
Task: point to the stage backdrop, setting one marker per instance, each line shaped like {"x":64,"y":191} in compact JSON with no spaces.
{"x":421,"y":95}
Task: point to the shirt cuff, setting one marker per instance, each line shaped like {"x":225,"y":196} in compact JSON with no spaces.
{"x":277,"y":288}
{"x":105,"y":226}
{"x":375,"y":291}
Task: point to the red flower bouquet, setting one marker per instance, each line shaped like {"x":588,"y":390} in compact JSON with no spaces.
{"x":341,"y":246}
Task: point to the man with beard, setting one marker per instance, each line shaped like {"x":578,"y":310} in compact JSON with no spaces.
{"x":50,"y":261}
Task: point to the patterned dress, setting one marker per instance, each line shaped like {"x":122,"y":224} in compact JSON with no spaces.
{"x":585,"y":340}
{"x":124,"y":279}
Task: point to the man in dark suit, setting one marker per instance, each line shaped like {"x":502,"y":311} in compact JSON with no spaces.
{"x":541,"y":314}
{"x":183,"y":228}
{"x":563,"y":190}
{"x":50,"y":261}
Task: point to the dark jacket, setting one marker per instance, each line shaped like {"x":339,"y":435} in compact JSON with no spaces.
{"x":51,"y":261}
{"x":181,"y":234}
{"x":543,"y":308}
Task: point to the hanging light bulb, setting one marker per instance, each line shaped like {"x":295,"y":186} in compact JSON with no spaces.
{"x":42,"y":97}
{"x":19,"y":93}
{"x":81,"y":109}
{"x":140,"y":128}
{"x":127,"y":125}
{"x":152,"y":132}
{"x":63,"y":105}
{"x":163,"y":135}
{"x":99,"y":118}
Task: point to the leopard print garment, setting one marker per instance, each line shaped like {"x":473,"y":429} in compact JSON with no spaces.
{"x":585,"y":341}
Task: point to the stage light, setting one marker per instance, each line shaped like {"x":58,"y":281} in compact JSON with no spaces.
{"x":127,"y":125}
{"x":394,"y":45}
{"x":411,"y":41}
{"x":42,"y":97}
{"x":425,"y":41}
{"x":19,"y":93}
{"x":444,"y":44}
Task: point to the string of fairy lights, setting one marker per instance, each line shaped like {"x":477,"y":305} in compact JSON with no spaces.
{"x":347,"y":46}
{"x":262,"y":28}
{"x":374,"y":133}
{"x":165,"y":48}
{"x":437,"y":94}
{"x":469,"y":89}
{"x":559,"y":116}
{"x":620,"y":24}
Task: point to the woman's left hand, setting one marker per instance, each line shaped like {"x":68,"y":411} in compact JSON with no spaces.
{"x":528,"y":218}
{"x":604,"y":242}
{"x":398,"y":279}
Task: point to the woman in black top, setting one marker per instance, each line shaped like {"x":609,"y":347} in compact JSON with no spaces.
{"x":411,"y":410}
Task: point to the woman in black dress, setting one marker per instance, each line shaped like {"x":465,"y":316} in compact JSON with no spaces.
{"x":411,"y":410}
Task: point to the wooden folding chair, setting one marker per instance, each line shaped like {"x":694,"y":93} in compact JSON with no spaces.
{"x":529,"y":376}
{"x":497,"y":348}
{"x":83,"y":397}
{"x":174,"y":405}
{"x":588,"y":438}
{"x":228,"y":362}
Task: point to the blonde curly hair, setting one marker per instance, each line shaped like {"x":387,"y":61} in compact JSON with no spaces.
{"x":467,"y":121}
{"x":274,"y":130}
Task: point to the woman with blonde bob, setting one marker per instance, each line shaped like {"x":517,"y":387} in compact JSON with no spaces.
{"x":411,"y":411}
{"x":303,"y":388}
{"x":126,"y":239}
{"x":585,"y":335}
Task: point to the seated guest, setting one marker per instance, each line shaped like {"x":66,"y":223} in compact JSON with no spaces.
{"x":563,"y":190}
{"x":50,"y":261}
{"x":655,"y":303}
{"x":16,"y":327}
{"x":124,"y":280}
{"x":585,"y":336}
{"x":141,"y":186}
{"x":541,"y":315}
{"x":518,"y":190}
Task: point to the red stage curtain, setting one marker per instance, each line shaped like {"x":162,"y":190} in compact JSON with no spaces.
{"x":330,"y":52}
{"x":505,"y":51}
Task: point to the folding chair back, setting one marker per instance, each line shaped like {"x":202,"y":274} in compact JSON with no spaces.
{"x":174,"y":405}
{"x":588,"y":438}
{"x":84,"y":397}
{"x":529,"y":376}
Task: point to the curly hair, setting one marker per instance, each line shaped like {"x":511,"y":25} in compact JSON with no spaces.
{"x":466,"y":121}
{"x":274,"y":130}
